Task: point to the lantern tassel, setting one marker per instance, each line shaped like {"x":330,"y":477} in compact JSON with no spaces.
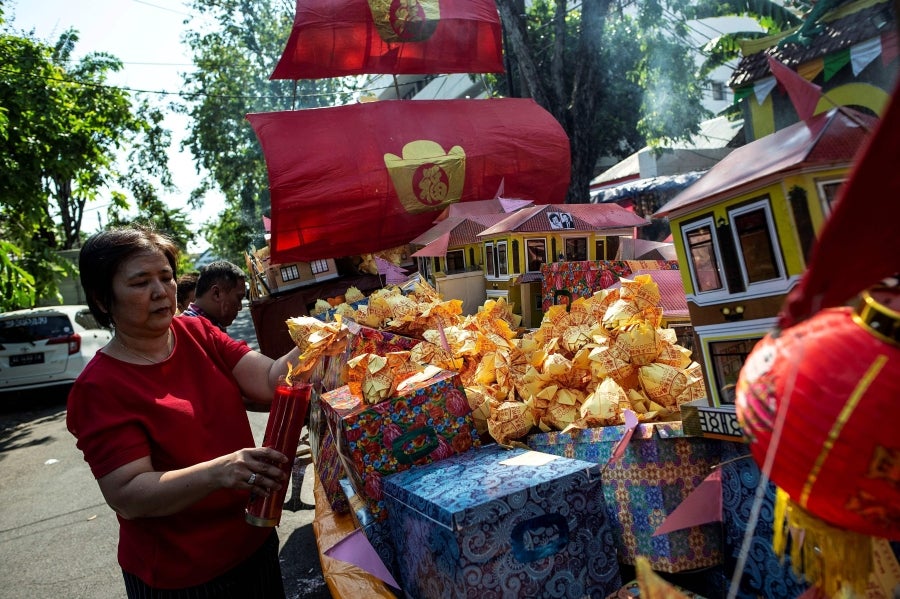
{"x":828,"y":557}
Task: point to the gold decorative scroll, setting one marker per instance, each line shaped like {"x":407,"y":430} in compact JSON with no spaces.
{"x":426,"y":177}
{"x":405,"y":20}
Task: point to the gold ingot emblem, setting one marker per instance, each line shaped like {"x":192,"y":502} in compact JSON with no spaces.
{"x":426,"y":177}
{"x":405,"y":20}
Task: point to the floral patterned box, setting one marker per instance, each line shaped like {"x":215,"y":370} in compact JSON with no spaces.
{"x":658,"y":470}
{"x":478,"y":525}
{"x":431,"y":421}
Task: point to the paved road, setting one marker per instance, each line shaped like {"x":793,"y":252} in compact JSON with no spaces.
{"x":57,"y":535}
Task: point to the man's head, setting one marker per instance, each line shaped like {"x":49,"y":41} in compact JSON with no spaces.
{"x":187,"y":288}
{"x":221,"y":288}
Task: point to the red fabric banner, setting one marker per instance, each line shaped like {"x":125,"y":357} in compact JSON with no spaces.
{"x":365,"y":177}
{"x":336,"y":38}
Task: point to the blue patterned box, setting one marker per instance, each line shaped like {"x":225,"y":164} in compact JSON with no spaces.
{"x":764,"y":575}
{"x":474,"y":526}
{"x":659,"y":469}
{"x":377,"y":532}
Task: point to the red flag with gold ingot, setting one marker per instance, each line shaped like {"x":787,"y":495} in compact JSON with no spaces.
{"x":364,"y":177}
{"x":337,"y":38}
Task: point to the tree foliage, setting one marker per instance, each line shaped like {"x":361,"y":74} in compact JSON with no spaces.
{"x":62,"y":127}
{"x":616,"y":75}
{"x":234,"y":55}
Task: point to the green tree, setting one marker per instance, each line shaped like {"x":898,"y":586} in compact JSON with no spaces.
{"x":61,"y":128}
{"x":616,"y":75}
{"x":234,"y":57}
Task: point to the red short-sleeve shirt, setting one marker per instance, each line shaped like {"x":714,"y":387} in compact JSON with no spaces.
{"x":182,"y":411}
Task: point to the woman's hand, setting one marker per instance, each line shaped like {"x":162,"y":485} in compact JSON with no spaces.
{"x":255,"y":468}
{"x":136,"y":490}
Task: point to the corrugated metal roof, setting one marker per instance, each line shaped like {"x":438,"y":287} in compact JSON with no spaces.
{"x":606,"y":216}
{"x":461,"y":230}
{"x":585,"y":217}
{"x":444,"y":226}
{"x":492,"y":206}
{"x":828,"y":138}
{"x":834,"y":34}
{"x":623,"y":191}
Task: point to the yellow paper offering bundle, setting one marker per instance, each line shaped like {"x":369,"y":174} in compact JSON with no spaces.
{"x":376,"y":378}
{"x":315,"y":340}
{"x":583,"y":367}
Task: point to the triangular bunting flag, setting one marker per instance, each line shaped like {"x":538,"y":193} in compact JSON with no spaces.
{"x":763,"y":88}
{"x":804,"y":95}
{"x":356,"y":549}
{"x":863,"y":54}
{"x":811,"y":69}
{"x":702,"y":506}
{"x":393,"y":274}
{"x":631,"y":423}
{"x":836,"y":61}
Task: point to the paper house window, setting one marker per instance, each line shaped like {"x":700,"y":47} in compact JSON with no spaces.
{"x":502,"y":264}
{"x":727,"y":359}
{"x":828,"y":191}
{"x":290,"y":273}
{"x":489,"y":261}
{"x":757,"y":243}
{"x":700,"y":241}
{"x":576,"y":249}
{"x":319,"y":266}
{"x":456,"y":262}
{"x":536,"y":252}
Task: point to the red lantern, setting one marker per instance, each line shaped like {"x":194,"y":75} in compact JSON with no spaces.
{"x":825,"y":392}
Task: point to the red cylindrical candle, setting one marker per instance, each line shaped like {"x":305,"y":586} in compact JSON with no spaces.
{"x":286,"y":419}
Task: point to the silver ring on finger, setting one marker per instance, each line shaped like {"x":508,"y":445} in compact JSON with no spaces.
{"x":252,"y":480}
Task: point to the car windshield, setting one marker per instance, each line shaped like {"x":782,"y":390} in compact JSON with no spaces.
{"x":25,"y":329}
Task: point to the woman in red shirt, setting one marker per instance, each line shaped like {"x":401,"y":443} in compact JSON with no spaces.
{"x":160,"y":417}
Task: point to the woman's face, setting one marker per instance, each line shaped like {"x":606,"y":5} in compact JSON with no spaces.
{"x":144,"y":292}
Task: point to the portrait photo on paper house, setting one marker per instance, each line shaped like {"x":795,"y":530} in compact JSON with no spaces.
{"x":560,"y":220}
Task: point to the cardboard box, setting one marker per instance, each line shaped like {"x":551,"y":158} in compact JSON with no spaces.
{"x":658,"y":470}
{"x":473,"y":525}
{"x":430,"y":421}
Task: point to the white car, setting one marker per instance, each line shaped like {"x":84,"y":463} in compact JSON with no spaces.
{"x":41,"y":347}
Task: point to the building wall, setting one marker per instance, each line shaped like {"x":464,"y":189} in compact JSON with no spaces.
{"x":467,"y":286}
{"x":726,"y":321}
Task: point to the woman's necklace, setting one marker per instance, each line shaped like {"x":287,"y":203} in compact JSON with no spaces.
{"x":144,"y":356}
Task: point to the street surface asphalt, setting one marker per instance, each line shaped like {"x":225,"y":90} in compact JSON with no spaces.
{"x":57,"y":535}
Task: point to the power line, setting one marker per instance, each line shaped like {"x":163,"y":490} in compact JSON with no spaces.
{"x":172,"y":10}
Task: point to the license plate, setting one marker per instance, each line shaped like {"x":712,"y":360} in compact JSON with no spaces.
{"x":25,"y":359}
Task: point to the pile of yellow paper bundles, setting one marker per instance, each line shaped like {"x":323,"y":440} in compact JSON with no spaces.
{"x":582,"y":368}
